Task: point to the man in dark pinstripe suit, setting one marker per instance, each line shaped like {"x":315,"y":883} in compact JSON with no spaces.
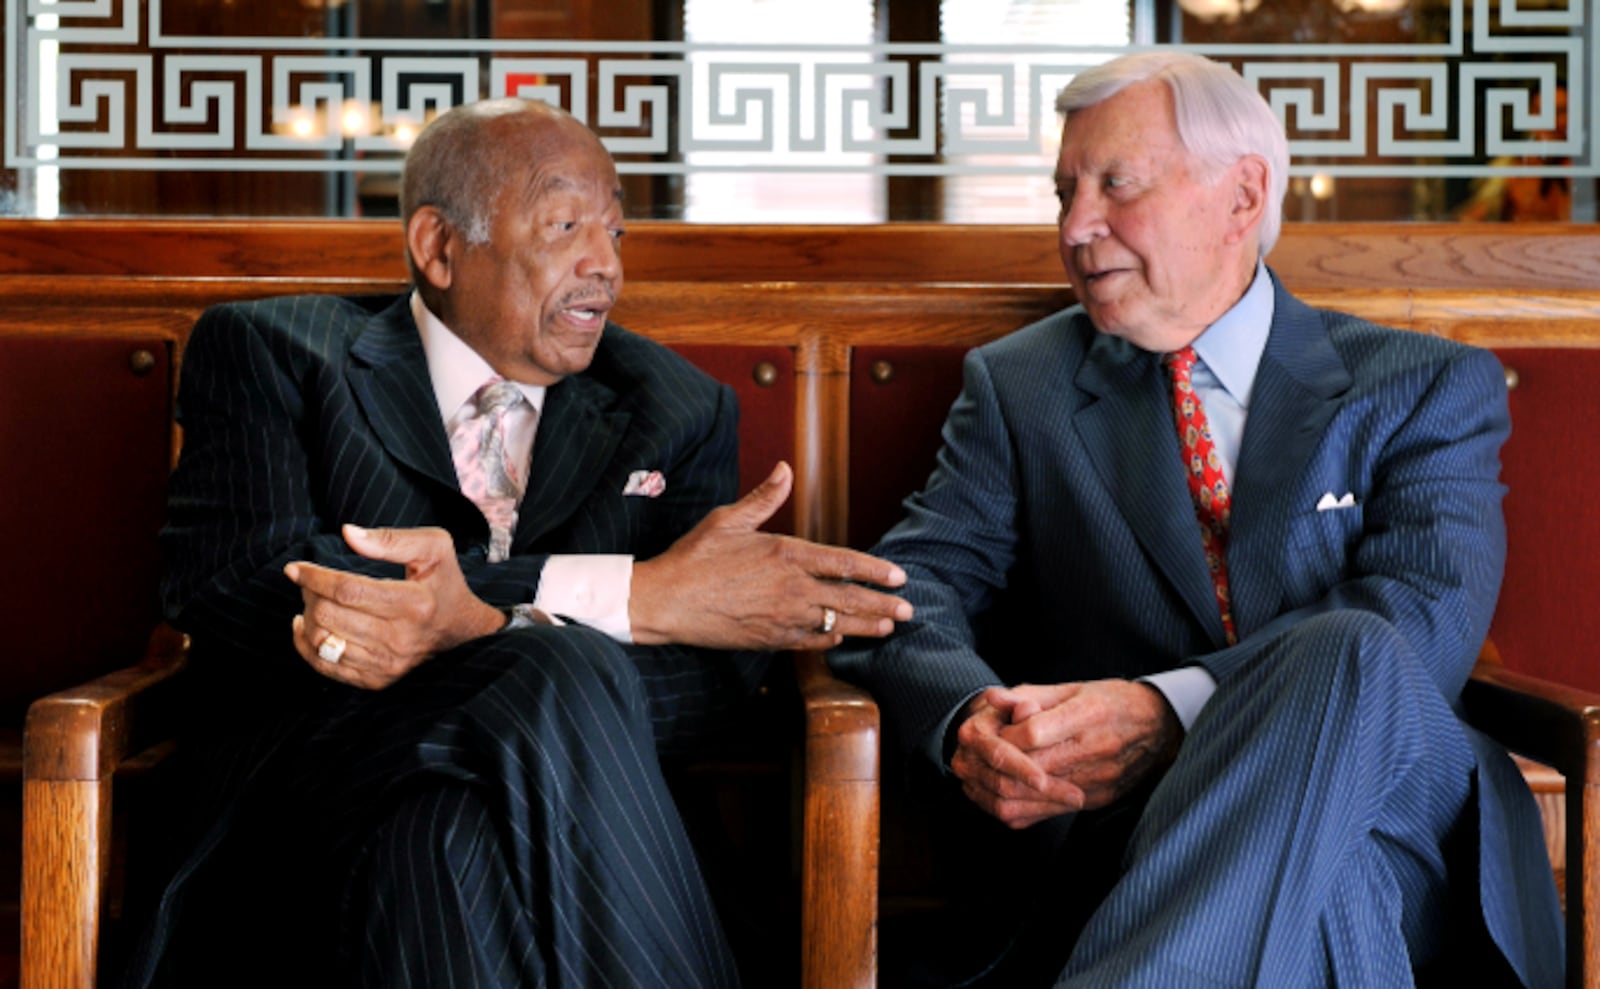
{"x":1242,"y":771}
{"x":420,"y":763}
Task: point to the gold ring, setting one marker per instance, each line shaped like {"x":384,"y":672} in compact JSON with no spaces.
{"x":829,"y":618}
{"x":332,"y":648}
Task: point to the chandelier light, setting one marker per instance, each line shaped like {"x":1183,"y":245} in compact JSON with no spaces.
{"x":1218,"y":10}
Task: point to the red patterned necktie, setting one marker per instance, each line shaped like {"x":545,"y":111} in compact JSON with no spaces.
{"x":478,"y":447}
{"x":1207,"y":486}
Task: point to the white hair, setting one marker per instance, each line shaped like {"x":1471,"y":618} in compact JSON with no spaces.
{"x":1221,"y":118}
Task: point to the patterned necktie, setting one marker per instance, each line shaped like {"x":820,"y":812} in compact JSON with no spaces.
{"x":1207,"y":486}
{"x":478,"y":447}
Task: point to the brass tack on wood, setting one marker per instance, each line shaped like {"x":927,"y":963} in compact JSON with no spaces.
{"x":882,"y":372}
{"x":1512,"y":378}
{"x":766,"y":374}
{"x":142,"y":361}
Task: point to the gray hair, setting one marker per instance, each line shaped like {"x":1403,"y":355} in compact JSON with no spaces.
{"x":451,"y":168}
{"x":1221,"y":118}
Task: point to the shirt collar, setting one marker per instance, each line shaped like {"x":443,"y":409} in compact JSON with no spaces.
{"x":456,"y":369}
{"x":1231,"y":347}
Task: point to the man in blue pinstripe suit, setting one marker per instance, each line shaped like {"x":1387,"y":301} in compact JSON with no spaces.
{"x":1168,"y":779}
{"x":423,"y":760}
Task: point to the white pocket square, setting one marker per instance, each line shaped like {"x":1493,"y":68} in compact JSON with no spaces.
{"x":647,"y":483}
{"x":1328,"y":502}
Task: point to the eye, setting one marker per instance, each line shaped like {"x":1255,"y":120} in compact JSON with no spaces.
{"x":564,"y":226}
{"x":617,"y":233}
{"x":1115,"y":181}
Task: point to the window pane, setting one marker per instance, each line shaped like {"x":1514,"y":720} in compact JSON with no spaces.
{"x":766,"y":185}
{"x":1027,"y":197}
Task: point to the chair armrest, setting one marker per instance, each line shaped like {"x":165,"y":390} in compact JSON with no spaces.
{"x":1559,"y":726}
{"x":74,"y":742}
{"x":1543,"y":720}
{"x":839,"y":859}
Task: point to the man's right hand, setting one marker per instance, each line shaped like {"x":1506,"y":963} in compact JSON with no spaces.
{"x":726,"y":585}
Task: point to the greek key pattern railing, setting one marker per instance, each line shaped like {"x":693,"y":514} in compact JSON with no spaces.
{"x":101,"y":85}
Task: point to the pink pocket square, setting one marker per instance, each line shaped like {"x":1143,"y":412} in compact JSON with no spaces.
{"x":648,"y":483}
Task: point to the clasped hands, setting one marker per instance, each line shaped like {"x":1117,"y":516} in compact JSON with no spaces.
{"x":722,"y":585}
{"x":1035,"y":751}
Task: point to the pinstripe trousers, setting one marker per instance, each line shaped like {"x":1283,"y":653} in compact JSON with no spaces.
{"x":497,"y":818}
{"x":1300,"y":838}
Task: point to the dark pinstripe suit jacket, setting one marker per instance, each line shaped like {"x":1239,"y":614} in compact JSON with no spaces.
{"x":304,"y":413}
{"x":1057,"y":537}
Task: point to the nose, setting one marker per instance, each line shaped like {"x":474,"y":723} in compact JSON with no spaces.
{"x":602,"y":254}
{"x":1082,"y":219}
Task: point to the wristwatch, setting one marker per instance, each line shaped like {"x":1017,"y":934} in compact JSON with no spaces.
{"x":523,"y":616}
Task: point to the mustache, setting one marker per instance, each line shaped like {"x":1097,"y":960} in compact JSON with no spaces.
{"x":589,"y":299}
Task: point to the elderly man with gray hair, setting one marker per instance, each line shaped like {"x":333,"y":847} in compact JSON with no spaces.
{"x":467,"y":560}
{"x":1199,"y":577}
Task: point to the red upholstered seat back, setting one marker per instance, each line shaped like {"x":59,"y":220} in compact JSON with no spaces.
{"x":899,"y":398}
{"x":1548,"y":620}
{"x":85,"y":433}
{"x":763,"y":378}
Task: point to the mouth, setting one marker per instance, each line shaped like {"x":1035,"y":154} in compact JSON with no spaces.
{"x":1096,"y":272}
{"x":1094,"y":277}
{"x":587,"y":312}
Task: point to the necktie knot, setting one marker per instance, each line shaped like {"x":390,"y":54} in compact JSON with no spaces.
{"x":496,"y":397}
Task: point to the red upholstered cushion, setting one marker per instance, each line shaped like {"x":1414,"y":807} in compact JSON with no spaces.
{"x":1548,"y":620}
{"x":762,"y":375}
{"x":899,"y":398}
{"x":85,"y":438}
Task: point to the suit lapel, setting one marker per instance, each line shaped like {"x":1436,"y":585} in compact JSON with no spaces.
{"x":389,"y":377}
{"x":1129,"y":436}
{"x":578,"y":435}
{"x":1299,"y":386}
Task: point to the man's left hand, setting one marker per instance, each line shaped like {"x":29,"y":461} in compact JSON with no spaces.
{"x":388,"y":626}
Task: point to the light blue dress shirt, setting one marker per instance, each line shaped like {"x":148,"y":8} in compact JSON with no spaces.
{"x":1229,"y":353}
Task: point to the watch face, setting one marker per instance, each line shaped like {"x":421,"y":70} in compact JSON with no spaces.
{"x":525,"y":616}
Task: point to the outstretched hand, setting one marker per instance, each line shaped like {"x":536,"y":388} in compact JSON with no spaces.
{"x":728,"y":586}
{"x":388,"y":626}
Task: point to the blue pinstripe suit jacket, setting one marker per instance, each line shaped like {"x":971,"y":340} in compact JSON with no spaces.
{"x":1056,"y":539}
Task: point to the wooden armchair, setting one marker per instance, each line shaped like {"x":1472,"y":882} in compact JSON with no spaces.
{"x":1560,"y":727}
{"x":79,"y":742}
{"x":1555,"y":725}
{"x":76,"y":744}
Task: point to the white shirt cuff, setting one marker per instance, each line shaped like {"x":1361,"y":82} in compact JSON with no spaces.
{"x":589,"y":588}
{"x":1186,"y":688}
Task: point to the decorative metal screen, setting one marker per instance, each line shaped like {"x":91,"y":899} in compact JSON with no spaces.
{"x":98,"y":84}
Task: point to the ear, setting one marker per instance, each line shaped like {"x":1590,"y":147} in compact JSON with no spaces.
{"x":432,"y":244}
{"x":1248,"y":178}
